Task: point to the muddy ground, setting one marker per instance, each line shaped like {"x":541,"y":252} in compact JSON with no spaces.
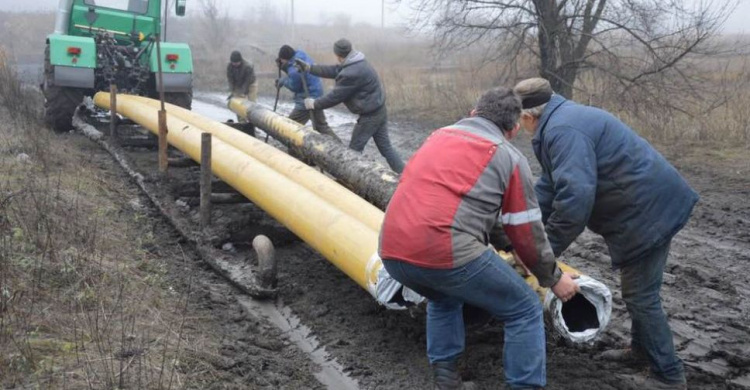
{"x":705,"y":294}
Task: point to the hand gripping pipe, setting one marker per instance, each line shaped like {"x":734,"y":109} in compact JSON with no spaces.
{"x":339,"y":225}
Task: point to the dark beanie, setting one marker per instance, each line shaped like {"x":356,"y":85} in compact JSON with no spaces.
{"x":286,"y":52}
{"x":342,"y":47}
{"x":235,"y":57}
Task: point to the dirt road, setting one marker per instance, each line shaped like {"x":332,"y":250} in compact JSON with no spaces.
{"x":705,"y":290}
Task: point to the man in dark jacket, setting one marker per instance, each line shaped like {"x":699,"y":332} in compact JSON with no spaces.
{"x":241,"y":77}
{"x":358,"y":87}
{"x":294,"y":82}
{"x":465,"y":188}
{"x":599,"y":173}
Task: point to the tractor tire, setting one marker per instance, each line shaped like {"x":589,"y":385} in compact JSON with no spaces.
{"x":182,"y":99}
{"x":59,"y":102}
{"x":59,"y":106}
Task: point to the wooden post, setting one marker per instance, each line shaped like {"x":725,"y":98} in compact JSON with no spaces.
{"x":205,"y":210}
{"x":113,"y":112}
{"x":163,"y":160}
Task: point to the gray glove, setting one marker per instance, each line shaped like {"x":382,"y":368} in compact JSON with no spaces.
{"x":302,"y":65}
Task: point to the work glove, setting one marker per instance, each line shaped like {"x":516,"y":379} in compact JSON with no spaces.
{"x":302,"y":65}
{"x":310,"y":103}
{"x":278,"y":83}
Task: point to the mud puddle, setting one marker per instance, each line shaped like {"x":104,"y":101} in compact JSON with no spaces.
{"x":331,"y":373}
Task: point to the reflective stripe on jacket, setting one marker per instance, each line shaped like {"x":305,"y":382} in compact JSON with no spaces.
{"x":464,"y":183}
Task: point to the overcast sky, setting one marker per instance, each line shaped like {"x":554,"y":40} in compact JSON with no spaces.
{"x":313,"y":11}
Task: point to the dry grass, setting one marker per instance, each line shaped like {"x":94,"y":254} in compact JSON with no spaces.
{"x":83,"y":302}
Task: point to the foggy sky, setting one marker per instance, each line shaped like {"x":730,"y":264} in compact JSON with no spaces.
{"x":317,"y":11}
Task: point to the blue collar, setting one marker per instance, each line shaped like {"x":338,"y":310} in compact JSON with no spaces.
{"x":554,"y":103}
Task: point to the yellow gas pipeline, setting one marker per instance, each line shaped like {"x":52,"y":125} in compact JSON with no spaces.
{"x":290,"y":167}
{"x":344,"y":240}
{"x":367,"y":178}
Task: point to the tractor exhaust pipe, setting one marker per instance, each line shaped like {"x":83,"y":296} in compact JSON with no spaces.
{"x":62,"y":19}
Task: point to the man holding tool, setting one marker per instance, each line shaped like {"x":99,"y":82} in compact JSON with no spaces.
{"x":358,"y":87}
{"x":304,"y":85}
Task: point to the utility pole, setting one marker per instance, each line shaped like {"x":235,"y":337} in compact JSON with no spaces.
{"x":293,"y":25}
{"x":382,"y":15}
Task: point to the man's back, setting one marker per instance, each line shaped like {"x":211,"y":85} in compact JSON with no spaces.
{"x":357,"y":85}
{"x":640,"y":200}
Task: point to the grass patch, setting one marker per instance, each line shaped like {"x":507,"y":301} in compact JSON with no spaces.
{"x":83,"y":302}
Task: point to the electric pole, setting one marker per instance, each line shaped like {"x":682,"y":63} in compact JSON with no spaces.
{"x":293,"y":25}
{"x":382,"y":15}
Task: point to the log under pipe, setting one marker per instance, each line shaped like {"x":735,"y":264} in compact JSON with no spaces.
{"x":280,"y":185}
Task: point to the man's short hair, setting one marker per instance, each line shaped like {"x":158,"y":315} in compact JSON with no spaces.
{"x":500,"y":106}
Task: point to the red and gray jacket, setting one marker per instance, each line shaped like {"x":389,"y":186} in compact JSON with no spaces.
{"x":465,"y":185}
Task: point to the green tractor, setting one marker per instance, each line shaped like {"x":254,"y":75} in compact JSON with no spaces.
{"x":97,"y":43}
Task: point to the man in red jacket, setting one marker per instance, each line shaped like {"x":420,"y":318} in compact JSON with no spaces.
{"x":465,"y":188}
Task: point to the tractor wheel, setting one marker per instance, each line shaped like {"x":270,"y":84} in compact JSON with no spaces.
{"x":182,"y":99}
{"x":59,"y":106}
{"x":59,"y":102}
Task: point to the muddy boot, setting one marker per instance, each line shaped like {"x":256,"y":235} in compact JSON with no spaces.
{"x":627,"y":356}
{"x":447,"y":378}
{"x":641,"y":382}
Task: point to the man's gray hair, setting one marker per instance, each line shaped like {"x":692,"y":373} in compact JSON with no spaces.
{"x":500,"y":106}
{"x":533,"y":88}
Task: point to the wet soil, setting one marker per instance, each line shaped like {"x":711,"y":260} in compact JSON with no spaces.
{"x":705,"y":293}
{"x":249,"y":352}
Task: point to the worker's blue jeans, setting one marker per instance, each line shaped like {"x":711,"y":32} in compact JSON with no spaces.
{"x":490,"y":283}
{"x":641,"y":284}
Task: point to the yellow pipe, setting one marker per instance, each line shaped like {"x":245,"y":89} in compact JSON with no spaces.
{"x":367,"y":178}
{"x":289,"y":129}
{"x":345,"y":241}
{"x":309,"y":178}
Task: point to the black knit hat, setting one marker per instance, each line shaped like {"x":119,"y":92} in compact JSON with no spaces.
{"x":342,"y":47}
{"x":286,"y":52}
{"x":235,"y":57}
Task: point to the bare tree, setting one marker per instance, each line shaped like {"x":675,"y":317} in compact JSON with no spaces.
{"x":630,"y":40}
{"x":217,"y":27}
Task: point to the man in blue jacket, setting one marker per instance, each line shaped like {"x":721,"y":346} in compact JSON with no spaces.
{"x":358,"y":87}
{"x":293,"y":82}
{"x":599,"y":173}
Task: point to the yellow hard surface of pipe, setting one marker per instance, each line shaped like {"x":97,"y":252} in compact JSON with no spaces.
{"x":303,"y":174}
{"x":345,"y":241}
{"x":288,"y":128}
